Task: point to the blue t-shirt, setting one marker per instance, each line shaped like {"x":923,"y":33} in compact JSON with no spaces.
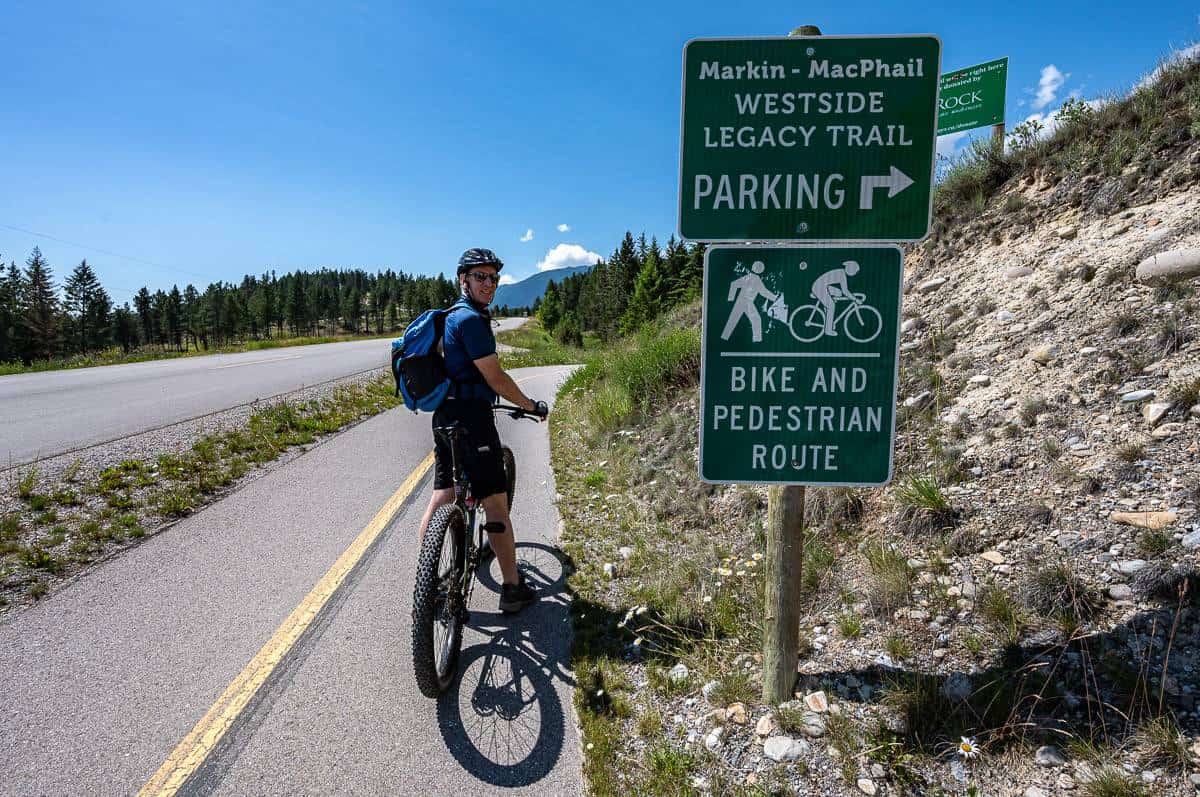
{"x":468,"y":336}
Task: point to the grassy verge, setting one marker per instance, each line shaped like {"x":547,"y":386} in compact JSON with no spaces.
{"x":540,"y":348}
{"x":50,"y":530}
{"x":115,"y":356}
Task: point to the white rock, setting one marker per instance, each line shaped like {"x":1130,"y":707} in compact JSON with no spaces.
{"x":919,"y":399}
{"x":812,"y":725}
{"x":1088,"y":350}
{"x":679,"y":673}
{"x":1154,"y":411}
{"x":625,"y":551}
{"x":1191,"y":541}
{"x":867,"y":786}
{"x":1067,"y":232}
{"x":931,"y":285}
{"x":766,"y":725}
{"x":817,"y":701}
{"x":1035,"y":791}
{"x":1137,"y":395}
{"x":1004,"y":316}
{"x":995,"y":557}
{"x":1120,"y":592}
{"x":980,"y":379}
{"x":1016,"y":272}
{"x":1129,"y":567}
{"x":707,"y":690}
{"x":1048,"y":756}
{"x":785,"y":748}
{"x":1174,"y":263}
{"x":910,"y":325}
{"x":713,"y":740}
{"x":610,"y":570}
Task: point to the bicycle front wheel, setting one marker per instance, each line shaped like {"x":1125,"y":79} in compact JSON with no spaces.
{"x":863,"y":324}
{"x":437,"y":612}
{"x":510,"y":474}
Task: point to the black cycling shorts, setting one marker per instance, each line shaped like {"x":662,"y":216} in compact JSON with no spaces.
{"x":480,"y":450}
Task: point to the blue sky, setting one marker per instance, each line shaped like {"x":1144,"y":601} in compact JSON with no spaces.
{"x":202,"y":141}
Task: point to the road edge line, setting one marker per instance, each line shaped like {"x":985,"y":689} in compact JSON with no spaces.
{"x":190,"y":753}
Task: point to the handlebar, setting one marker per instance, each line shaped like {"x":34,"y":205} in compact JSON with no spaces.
{"x":516,"y":412}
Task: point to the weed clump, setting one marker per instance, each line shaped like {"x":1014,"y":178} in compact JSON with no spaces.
{"x":926,"y":510}
{"x":891,"y":577}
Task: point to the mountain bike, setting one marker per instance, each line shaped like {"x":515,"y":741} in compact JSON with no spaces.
{"x":451,"y":552}
{"x":861,"y":322}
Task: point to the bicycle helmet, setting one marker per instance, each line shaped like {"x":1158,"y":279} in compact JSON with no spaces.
{"x":473,"y":258}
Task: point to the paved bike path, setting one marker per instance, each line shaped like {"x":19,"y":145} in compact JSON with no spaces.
{"x":104,"y":678}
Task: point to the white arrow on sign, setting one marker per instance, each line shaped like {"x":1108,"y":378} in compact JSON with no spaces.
{"x":895,"y":182}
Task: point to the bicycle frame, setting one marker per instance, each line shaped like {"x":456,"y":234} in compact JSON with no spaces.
{"x":852,"y":302}
{"x":473,"y":536}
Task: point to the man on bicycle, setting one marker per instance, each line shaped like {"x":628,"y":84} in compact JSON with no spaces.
{"x":469,"y":349}
{"x":829,"y":286}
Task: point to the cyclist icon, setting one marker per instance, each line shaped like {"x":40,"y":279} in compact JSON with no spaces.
{"x":742,"y":292}
{"x":861,"y":322}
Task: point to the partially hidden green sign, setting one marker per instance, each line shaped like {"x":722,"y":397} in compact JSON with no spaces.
{"x":798,"y":373}
{"x":808,"y":139}
{"x":972,"y":97}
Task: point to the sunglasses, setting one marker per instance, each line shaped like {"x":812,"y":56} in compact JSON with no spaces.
{"x":479,"y":276}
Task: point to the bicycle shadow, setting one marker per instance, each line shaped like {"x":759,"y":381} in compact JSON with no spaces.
{"x":502,"y":718}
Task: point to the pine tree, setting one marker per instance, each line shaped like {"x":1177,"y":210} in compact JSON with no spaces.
{"x":10,"y":313}
{"x":141,"y":302}
{"x":39,"y":308}
{"x":124,"y":328}
{"x":649,"y":294}
{"x":173,"y":311}
{"x":550,"y":310}
{"x":82,"y":292}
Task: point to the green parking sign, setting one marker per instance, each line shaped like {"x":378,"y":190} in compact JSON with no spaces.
{"x":798,"y":372}
{"x":808,"y":139}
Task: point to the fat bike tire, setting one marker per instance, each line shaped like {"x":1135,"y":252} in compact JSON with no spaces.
{"x":437,"y":632}
{"x":510,"y":473}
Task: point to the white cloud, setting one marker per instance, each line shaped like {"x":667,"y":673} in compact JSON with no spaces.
{"x":1186,"y":54}
{"x":947,"y":144}
{"x":565,"y":255}
{"x":528,"y":236}
{"x":507,"y":279}
{"x":564,"y":228}
{"x":1051,"y":81}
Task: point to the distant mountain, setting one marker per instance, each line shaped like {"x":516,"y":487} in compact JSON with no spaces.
{"x":523,"y":293}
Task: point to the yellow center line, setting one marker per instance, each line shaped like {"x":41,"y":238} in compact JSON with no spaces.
{"x":257,"y":362}
{"x":195,"y":747}
{"x":190,"y":753}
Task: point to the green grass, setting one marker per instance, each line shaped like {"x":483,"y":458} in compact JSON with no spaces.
{"x":921,"y":492}
{"x":849,"y":625}
{"x":890,"y":577}
{"x":133,"y":500}
{"x":1002,"y":613}
{"x":540,"y":347}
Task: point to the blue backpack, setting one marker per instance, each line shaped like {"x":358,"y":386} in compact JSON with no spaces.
{"x":418,"y":366}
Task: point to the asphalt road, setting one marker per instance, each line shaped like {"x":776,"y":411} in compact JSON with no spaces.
{"x":53,"y":412}
{"x":105,"y":677}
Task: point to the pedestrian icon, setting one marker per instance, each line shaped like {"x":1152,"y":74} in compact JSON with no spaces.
{"x":742,"y":292}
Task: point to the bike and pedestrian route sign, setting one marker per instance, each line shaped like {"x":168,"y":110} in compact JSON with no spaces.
{"x":972,"y":97}
{"x":796,"y":139}
{"x":800,"y":350}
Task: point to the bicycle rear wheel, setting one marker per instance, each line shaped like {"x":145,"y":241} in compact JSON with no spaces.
{"x":437,"y":612}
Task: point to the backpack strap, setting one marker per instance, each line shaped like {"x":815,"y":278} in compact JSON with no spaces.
{"x":459,"y":388}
